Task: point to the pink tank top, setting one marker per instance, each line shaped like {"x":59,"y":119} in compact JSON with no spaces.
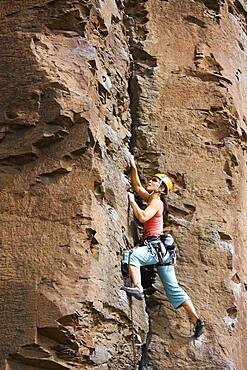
{"x":154,"y":226}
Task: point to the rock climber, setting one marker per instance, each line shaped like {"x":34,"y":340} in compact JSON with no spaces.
{"x":152,"y":219}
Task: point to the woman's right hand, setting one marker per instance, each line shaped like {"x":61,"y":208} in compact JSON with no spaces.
{"x":131,"y":197}
{"x":132,"y":161}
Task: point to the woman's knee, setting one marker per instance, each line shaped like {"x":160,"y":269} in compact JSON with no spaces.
{"x":125,"y":257}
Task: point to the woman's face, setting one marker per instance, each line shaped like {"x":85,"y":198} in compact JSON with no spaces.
{"x":152,"y":184}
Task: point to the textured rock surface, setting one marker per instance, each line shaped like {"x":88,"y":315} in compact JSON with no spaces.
{"x":83,"y":83}
{"x":195,"y":102}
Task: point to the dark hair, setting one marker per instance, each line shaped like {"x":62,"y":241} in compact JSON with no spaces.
{"x":166,"y":210}
{"x":164,"y":187}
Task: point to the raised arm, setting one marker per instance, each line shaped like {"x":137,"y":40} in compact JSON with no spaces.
{"x":135,"y":181}
{"x":147,"y":213}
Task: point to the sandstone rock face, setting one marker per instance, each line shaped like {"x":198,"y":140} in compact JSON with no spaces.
{"x":83,"y":84}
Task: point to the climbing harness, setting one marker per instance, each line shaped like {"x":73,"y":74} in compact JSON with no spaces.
{"x":160,"y":246}
{"x":157,"y":249}
{"x":170,"y":245}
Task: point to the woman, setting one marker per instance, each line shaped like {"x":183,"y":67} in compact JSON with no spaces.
{"x":152,"y":219}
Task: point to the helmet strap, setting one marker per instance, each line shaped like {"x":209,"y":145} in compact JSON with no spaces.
{"x":157,"y":187}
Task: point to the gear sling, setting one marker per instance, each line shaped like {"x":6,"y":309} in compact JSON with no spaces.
{"x":158,"y":246}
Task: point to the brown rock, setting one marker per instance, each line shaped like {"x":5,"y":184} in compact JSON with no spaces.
{"x":83,"y":83}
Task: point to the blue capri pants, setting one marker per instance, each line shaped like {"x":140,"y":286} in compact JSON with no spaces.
{"x":143,"y":256}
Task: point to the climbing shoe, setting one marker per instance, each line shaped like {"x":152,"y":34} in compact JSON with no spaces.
{"x":135,"y":292}
{"x":199,"y":328}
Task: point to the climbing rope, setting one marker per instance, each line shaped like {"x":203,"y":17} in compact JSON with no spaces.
{"x":132,"y":332}
{"x":131,"y":320}
{"x":126,"y":240}
{"x":130,"y":248}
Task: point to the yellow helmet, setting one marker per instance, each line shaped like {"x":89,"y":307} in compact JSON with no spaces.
{"x":165,"y":180}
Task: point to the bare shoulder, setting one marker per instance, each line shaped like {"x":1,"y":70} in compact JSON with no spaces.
{"x":156,"y":203}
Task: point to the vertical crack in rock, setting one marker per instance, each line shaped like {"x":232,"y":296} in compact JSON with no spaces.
{"x":142,"y":80}
{"x":65,"y":132}
{"x":142,"y":89}
{"x":144,"y":361}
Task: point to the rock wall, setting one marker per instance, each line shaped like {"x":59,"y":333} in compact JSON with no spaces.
{"x":83,"y":84}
